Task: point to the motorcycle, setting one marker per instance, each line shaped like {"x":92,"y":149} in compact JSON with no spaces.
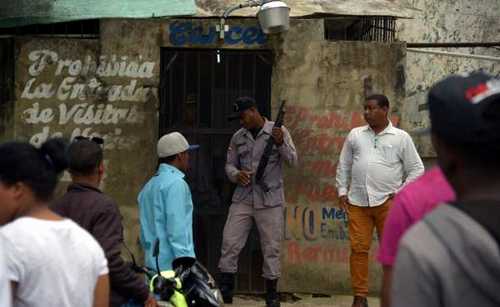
{"x":189,"y":285}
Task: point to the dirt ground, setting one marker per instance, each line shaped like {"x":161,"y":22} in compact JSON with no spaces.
{"x":305,"y":301}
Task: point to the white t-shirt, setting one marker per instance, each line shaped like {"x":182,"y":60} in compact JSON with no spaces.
{"x":55,"y":263}
{"x":5,"y":290}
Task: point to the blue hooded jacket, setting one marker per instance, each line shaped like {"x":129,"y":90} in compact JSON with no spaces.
{"x":166,"y":213}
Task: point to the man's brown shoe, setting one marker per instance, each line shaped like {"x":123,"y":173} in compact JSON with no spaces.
{"x":360,"y":301}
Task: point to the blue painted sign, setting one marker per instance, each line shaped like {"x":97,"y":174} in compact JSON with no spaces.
{"x":189,"y":33}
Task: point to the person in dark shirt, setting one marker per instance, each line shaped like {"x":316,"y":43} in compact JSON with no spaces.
{"x":96,"y":212}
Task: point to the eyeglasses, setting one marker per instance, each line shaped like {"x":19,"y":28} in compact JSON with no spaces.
{"x":97,"y":140}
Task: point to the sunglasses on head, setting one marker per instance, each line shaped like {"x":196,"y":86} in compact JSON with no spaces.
{"x":97,"y":140}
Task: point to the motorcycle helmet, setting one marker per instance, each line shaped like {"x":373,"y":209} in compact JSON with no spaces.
{"x":199,"y":287}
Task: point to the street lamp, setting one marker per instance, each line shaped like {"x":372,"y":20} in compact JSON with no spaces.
{"x":273,"y":16}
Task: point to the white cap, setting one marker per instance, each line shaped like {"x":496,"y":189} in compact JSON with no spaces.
{"x":172,"y":144}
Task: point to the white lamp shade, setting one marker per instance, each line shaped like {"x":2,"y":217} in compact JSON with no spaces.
{"x":274,"y":17}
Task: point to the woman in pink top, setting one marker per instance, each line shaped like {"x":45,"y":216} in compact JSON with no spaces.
{"x":410,"y":205}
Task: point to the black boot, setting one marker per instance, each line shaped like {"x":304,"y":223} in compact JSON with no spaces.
{"x":360,"y":301}
{"x":227,"y":287}
{"x":272,"y":296}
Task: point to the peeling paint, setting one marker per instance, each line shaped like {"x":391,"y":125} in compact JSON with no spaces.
{"x":444,"y":21}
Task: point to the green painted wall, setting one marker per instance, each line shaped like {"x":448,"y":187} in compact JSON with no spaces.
{"x":25,"y":12}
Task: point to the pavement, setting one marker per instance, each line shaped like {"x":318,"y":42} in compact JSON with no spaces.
{"x":302,"y":301}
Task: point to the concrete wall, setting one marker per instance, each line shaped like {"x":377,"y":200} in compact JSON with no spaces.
{"x":325,"y":84}
{"x":71,"y":87}
{"x":105,"y":87}
{"x":108,"y":87}
{"x":444,"y":21}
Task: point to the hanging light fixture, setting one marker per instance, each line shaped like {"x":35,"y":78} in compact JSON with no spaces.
{"x":273,"y":15}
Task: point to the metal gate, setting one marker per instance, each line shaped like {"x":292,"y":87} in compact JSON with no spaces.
{"x":197,"y":92}
{"x":6,"y":84}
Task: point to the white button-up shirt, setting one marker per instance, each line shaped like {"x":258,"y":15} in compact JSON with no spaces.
{"x":373,"y":166}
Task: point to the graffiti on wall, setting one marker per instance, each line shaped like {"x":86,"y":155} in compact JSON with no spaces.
{"x":316,"y":229}
{"x":80,"y":100}
{"x":313,"y":223}
{"x":196,"y":33}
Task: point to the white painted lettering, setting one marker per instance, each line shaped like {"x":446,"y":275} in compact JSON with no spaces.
{"x":123,"y":67}
{"x":26,"y":92}
{"x":114,"y":93}
{"x":40,"y":58}
{"x":75,"y":68}
{"x":78,"y":91}
{"x":133,"y":70}
{"x":41,"y":91}
{"x":60,"y":66}
{"x":33,"y":115}
{"x":146,"y":70}
{"x":65,"y":115}
{"x":64,"y":89}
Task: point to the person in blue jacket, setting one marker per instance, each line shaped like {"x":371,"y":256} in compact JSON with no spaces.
{"x":166,"y":206}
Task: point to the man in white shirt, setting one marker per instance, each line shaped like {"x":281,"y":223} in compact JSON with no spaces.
{"x":5,"y":290}
{"x":375,"y":162}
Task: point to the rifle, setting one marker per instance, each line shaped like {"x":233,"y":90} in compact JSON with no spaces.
{"x":269,"y":148}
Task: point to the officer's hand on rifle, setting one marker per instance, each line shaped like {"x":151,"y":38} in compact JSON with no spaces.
{"x":278,"y":136}
{"x":244,"y":178}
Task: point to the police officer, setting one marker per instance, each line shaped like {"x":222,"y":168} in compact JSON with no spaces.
{"x":262,"y":202}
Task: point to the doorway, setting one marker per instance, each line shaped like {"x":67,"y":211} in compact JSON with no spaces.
{"x":197,"y":90}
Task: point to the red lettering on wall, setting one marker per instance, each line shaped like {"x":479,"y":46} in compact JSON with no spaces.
{"x":316,"y":254}
{"x":311,"y":191}
{"x":321,"y":168}
{"x":315,"y":233}
{"x":298,"y":116}
{"x":319,"y":254}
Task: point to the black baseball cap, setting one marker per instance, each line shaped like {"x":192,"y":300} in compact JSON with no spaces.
{"x":465,"y":109}
{"x":241,"y":104}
